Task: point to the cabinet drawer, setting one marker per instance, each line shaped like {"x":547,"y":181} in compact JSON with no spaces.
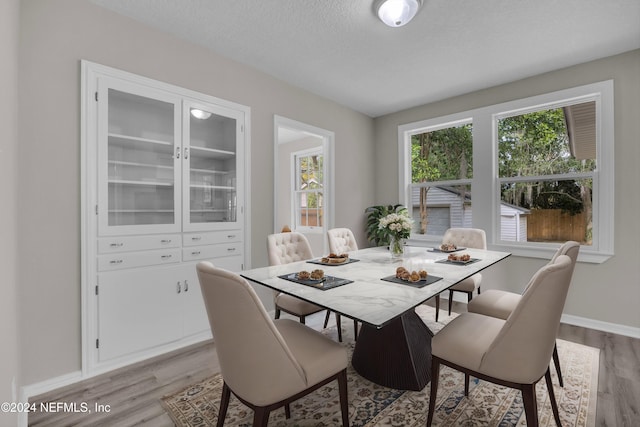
{"x":225,"y":236}
{"x":120,"y":261}
{"x":139,"y":243}
{"x":211,"y":251}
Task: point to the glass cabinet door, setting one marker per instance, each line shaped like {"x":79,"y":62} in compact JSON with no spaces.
{"x":138,"y":154}
{"x":211,"y":178}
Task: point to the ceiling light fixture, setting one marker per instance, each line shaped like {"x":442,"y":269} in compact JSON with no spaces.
{"x":200,"y":114}
{"x":396,"y":13}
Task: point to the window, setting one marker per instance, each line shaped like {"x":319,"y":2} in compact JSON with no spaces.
{"x":308,"y":203}
{"x":441,"y":175}
{"x":541,"y":169}
{"x":546,"y":166}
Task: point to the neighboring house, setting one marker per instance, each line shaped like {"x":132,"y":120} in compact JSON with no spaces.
{"x":445,"y":209}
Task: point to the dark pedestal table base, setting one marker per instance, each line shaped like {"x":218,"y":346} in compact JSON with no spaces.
{"x":396,"y":356}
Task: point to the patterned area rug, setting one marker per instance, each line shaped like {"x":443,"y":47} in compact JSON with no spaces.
{"x":374,"y":405}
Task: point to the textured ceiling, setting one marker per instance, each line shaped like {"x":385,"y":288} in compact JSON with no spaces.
{"x":340,"y":50}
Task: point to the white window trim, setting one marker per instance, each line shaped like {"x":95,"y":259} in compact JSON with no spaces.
{"x":485,"y":183}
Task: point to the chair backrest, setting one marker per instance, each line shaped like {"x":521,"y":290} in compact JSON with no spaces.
{"x":474,"y":238}
{"x":521,"y":351}
{"x":254,"y":359}
{"x":283,"y":248}
{"x":569,"y":248}
{"x":341,"y":240}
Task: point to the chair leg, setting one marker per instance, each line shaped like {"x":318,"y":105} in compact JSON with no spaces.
{"x":355,"y":330}
{"x":287,"y":411}
{"x":437,"y":306}
{"x":303,"y":320}
{"x":344,"y":400}
{"x":339,"y":325}
{"x":530,"y":404}
{"x":435,"y":376}
{"x":277,"y":313}
{"x":469,"y":296}
{"x":466,"y":384}
{"x":556,"y":362}
{"x":260,"y":417}
{"x":552,"y":397}
{"x":224,"y":404}
{"x":450,"y":300}
{"x":326,"y":319}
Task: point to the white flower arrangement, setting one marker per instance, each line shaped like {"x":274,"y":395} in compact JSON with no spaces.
{"x":397,"y":225}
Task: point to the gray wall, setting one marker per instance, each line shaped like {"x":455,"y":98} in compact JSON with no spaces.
{"x":608,"y":292}
{"x":55,"y":36}
{"x":9,"y":356}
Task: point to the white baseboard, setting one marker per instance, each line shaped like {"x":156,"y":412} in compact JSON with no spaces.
{"x":42,"y":387}
{"x":599,"y":325}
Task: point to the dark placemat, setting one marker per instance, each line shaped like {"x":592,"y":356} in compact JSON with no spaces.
{"x":420,"y":284}
{"x":446,"y":252}
{"x":448,"y":261}
{"x":318,"y":261}
{"x":328,"y":282}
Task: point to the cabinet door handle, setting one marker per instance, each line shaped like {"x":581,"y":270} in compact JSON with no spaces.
{"x":166,"y":256}
{"x":116,"y":244}
{"x":178,"y":287}
{"x":231,"y":236}
{"x":195,"y":253}
{"x":165,"y":241}
{"x":115,"y":261}
{"x":186,"y":153}
{"x":186,"y":286}
{"x":231,"y":249}
{"x":196,"y":238}
{"x":177,"y":152}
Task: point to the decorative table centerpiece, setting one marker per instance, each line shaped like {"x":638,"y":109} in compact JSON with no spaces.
{"x":397,"y":226}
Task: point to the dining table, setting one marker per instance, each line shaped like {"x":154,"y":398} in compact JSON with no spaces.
{"x":393,"y":347}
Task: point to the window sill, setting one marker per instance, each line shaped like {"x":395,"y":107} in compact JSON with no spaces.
{"x":521,"y":250}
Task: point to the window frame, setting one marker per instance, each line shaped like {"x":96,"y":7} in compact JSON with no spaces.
{"x":486,"y":182}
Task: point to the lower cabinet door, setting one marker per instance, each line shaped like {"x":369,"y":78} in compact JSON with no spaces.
{"x":138,"y":309}
{"x":195,"y":312}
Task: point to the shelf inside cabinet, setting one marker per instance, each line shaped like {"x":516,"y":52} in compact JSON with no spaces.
{"x":154,"y":183}
{"x":209,"y":171}
{"x":138,"y":164}
{"x":213,"y":187}
{"x":114,"y":211}
{"x":211,"y":153}
{"x":139,"y":143}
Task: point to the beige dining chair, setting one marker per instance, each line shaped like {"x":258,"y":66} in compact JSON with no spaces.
{"x":284,"y":248}
{"x":342,"y":240}
{"x":474,"y":238}
{"x":500,"y":304}
{"x":514,"y":352}
{"x":265,"y":363}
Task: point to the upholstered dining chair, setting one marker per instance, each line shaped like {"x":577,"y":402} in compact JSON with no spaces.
{"x":514,"y":352}
{"x":500,"y":304}
{"x":283,"y":248}
{"x":293,"y":358}
{"x":341,"y":240}
{"x":474,"y":238}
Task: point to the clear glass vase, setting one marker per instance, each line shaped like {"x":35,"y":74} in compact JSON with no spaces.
{"x":396,"y":246}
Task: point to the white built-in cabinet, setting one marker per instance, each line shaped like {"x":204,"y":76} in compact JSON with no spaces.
{"x":164,"y":186}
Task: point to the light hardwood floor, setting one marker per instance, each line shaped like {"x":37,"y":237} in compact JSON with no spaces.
{"x":134,"y":392}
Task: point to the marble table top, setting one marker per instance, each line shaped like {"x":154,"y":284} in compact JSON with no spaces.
{"x":369,"y":299}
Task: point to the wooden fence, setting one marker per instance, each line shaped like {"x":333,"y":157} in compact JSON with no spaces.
{"x":553,"y":225}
